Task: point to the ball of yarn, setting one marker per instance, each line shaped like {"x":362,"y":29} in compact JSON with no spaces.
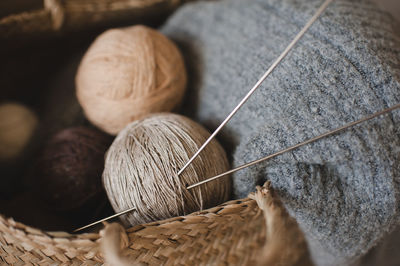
{"x":69,"y":169}
{"x":142,"y":164}
{"x":17,"y":126}
{"x":128,"y":73}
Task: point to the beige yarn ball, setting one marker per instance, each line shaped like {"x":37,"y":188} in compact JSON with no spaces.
{"x":129,"y":73}
{"x":142,"y":163}
{"x":17,"y":126}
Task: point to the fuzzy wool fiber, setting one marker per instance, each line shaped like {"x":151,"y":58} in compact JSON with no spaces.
{"x":344,"y":189}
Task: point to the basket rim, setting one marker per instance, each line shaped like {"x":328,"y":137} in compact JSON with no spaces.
{"x":65,"y":246}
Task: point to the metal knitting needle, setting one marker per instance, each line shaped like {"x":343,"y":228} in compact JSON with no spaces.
{"x":261,"y":80}
{"x":351,"y":124}
{"x":105,"y":219}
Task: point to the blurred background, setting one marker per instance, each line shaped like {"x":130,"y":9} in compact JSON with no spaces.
{"x":393,"y":6}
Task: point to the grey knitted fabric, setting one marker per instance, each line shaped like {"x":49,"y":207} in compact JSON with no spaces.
{"x":343,"y":190}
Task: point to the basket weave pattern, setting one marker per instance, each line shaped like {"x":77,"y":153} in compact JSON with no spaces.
{"x":232,"y":233}
{"x":78,"y":15}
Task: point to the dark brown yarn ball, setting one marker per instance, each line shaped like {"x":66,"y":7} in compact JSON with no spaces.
{"x":70,"y":168}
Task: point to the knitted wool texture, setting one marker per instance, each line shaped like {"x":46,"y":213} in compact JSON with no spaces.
{"x":344,"y":189}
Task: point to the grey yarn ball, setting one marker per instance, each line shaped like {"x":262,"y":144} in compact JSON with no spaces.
{"x":343,"y":190}
{"x":141,"y":166}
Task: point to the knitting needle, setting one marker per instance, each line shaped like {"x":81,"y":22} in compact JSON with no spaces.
{"x":261,"y":80}
{"x":351,"y":124}
{"x":105,"y":219}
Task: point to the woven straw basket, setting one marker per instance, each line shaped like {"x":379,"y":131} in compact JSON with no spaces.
{"x":232,"y":233}
{"x":228,"y":234}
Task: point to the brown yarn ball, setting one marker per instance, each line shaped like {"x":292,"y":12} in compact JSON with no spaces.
{"x":128,"y":73}
{"x":69,"y":170}
{"x":142,"y":164}
{"x":17,"y":126}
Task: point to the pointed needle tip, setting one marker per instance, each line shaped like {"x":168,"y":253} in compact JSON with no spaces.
{"x":105,"y":219}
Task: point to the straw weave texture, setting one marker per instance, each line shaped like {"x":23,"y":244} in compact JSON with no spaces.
{"x":77,"y":15}
{"x":232,"y":233}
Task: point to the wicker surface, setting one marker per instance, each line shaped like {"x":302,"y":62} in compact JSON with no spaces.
{"x":78,"y":15}
{"x":231,"y":233}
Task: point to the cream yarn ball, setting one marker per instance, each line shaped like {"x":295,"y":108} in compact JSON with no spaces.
{"x":142,"y":163}
{"x":17,"y":126}
{"x":128,"y":73}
